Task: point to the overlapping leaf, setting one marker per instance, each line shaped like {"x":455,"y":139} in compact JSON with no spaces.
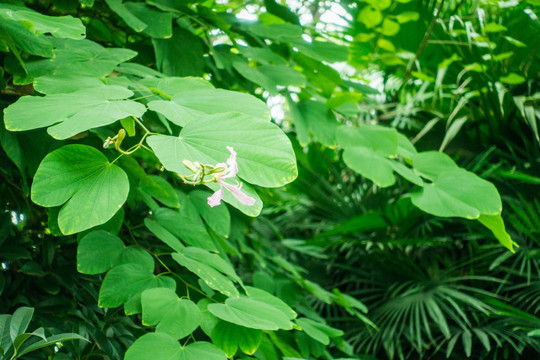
{"x":195,"y":103}
{"x":58,"y":26}
{"x":124,"y":284}
{"x":92,"y":189}
{"x":264,"y":152}
{"x":458,"y":193}
{"x":67,"y":115}
{"x":173,"y":316}
{"x":258,"y":310}
{"x":229,"y":337}
{"x":159,"y":346}
{"x":366,"y":149}
{"x":186,"y":224}
{"x":99,"y":251}
{"x":81,"y":58}
{"x":213,"y":270}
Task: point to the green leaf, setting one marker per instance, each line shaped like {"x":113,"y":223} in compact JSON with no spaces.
{"x":262,"y":55}
{"x":64,"y":84}
{"x":216,"y":101}
{"x":379,"y":139}
{"x":5,"y":336}
{"x":80,"y":57}
{"x":173,"y":316}
{"x":195,"y":104}
{"x":19,"y":321}
{"x":212,"y":260}
{"x":67,"y":115}
{"x":208,"y":321}
{"x":266,"y":297}
{"x":21,"y":339}
{"x":300,"y":124}
{"x":370,"y":16}
{"x":251,"y":313}
{"x":229,"y":337}
{"x":430,"y":164}
{"x":99,"y":251}
{"x":406,"y":172}
{"x":124,"y":284}
{"x":185,"y":223}
{"x":407,"y":16}
{"x":513,"y":79}
{"x":161,"y":190}
{"x":57,"y":26}
{"x":283,"y":75}
{"x":158,"y":23}
{"x":515,"y":42}
{"x":494,"y":28}
{"x":318,"y":331}
{"x":495,"y":223}
{"x":50,"y":341}
{"x":366,"y":149}
{"x":163,"y":235}
{"x":159,"y":346}
{"x":81,"y":177}
{"x":170,"y":86}
{"x":255,"y":76}
{"x":458,"y":193}
{"x":179,"y":55}
{"x":320,"y":121}
{"x":326,"y":51}
{"x":217,"y":218}
{"x":348,"y":301}
{"x":389,"y":27}
{"x":175,"y":113}
{"x":280,"y":32}
{"x":210,"y":273}
{"x":18,"y":36}
{"x":264,"y":153}
{"x":122,"y":10}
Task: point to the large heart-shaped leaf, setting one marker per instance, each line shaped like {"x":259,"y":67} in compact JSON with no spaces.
{"x":458,"y":193}
{"x":160,"y":346}
{"x":174,"y":316}
{"x":264,"y":153}
{"x":81,"y":177}
{"x":69,"y":114}
{"x":98,"y":251}
{"x":125,"y":283}
{"x":251,"y":313}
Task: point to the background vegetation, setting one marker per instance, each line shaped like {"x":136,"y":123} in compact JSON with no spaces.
{"x":370,"y":273}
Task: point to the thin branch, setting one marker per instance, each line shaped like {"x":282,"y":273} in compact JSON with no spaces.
{"x":422,"y":44}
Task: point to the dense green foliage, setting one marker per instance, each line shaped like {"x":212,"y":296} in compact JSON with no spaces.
{"x":213,"y":180}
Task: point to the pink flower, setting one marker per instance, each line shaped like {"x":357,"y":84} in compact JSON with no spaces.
{"x":231,"y":169}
